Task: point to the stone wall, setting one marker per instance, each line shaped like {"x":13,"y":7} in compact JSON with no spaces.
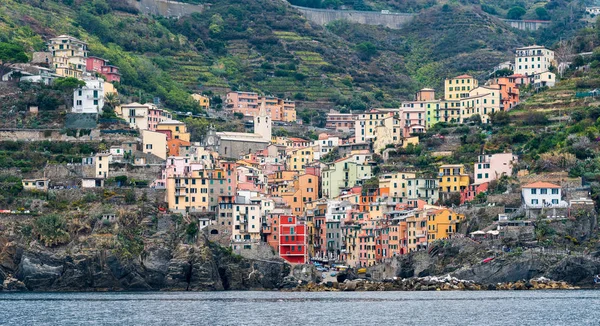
{"x":55,"y":135}
{"x":323,"y":17}
{"x":148,"y":173}
{"x":165,"y":8}
{"x":527,"y":25}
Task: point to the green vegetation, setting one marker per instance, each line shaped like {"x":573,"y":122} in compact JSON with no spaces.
{"x":51,"y":229}
{"x":29,"y":156}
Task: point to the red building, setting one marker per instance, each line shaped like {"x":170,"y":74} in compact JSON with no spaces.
{"x":472,"y":191}
{"x":101,"y":66}
{"x":111,"y":73}
{"x":292,"y":240}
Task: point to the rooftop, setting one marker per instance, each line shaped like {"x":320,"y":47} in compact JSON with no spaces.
{"x":541,"y":184}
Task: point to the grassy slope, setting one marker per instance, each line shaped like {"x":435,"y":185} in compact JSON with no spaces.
{"x":266,"y":46}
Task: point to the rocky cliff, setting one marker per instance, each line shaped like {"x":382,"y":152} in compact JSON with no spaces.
{"x":180,"y":267}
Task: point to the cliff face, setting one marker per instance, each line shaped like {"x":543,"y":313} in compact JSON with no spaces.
{"x":181,"y":267}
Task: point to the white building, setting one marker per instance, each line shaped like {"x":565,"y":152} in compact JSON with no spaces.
{"x":534,"y":59}
{"x":89,"y":98}
{"x":543,"y":79}
{"x":592,"y":10}
{"x":492,"y":167}
{"x":136,"y":114}
{"x":542,"y":195}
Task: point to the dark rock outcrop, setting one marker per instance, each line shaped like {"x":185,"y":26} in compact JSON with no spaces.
{"x":201,"y":266}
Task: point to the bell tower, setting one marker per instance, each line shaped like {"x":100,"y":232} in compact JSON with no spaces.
{"x":263,"y":123}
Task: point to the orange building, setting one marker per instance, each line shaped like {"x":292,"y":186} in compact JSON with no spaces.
{"x":305,"y":189}
{"x":509,"y":92}
{"x":175,"y":146}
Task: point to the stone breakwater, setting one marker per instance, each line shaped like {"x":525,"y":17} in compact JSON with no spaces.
{"x":447,"y":283}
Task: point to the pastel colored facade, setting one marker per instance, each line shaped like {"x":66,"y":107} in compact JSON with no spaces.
{"x":154,"y":143}
{"x":366,"y":123}
{"x":472,"y":191}
{"x":249,"y":104}
{"x":203,"y":100}
{"x":177,"y":129}
{"x":136,"y":114}
{"x":531,"y":60}
{"x":483,"y":101}
{"x":542,"y":195}
{"x":40,"y":184}
{"x":324,"y":145}
{"x":305,"y":188}
{"x":442,"y":224}
{"x":422,"y":188}
{"x":544,"y":79}
{"x":416,"y":230}
{"x":397,"y":184}
{"x":425,"y":94}
{"x":101,"y":66}
{"x":89,"y":98}
{"x":342,"y":122}
{"x":187,"y":192}
{"x":292,"y":240}
{"x":176,"y":147}
{"x":415,"y":115}
{"x":102,"y":164}
{"x":459,"y":87}
{"x":493,"y":166}
{"x":156,"y":116}
{"x":453,"y":178}
{"x":69,"y":56}
{"x":509,"y":92}
{"x":247,"y":222}
{"x":299,"y":158}
{"x":390,"y":133}
{"x":344,"y":173}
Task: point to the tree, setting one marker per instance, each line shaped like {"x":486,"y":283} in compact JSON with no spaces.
{"x":563,"y":54}
{"x":516,"y":13}
{"x":503,"y":72}
{"x":500,"y":118}
{"x":9,"y":55}
{"x":542,"y":13}
{"x":51,"y":229}
{"x":366,"y":50}
{"x":68,"y":83}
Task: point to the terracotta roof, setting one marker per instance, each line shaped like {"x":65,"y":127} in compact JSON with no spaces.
{"x":541,"y":184}
{"x":462,"y":77}
{"x":297,"y":140}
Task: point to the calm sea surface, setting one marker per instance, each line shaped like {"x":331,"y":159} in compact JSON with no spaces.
{"x":277,"y":308}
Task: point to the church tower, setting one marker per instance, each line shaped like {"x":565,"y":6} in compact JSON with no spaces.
{"x":263,"y":123}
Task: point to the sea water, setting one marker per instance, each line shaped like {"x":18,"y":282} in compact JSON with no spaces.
{"x":307,"y":309}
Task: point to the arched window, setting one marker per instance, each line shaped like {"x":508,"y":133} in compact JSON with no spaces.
{"x":225,"y":150}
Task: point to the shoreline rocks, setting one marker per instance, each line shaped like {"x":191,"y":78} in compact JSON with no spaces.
{"x":432,"y":283}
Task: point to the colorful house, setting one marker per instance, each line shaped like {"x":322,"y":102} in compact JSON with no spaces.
{"x":292,"y":240}
{"x":442,"y":224}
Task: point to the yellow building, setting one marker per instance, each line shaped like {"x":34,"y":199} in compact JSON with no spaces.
{"x":154,"y":143}
{"x":69,"y":56}
{"x":459,"y":87}
{"x":188,"y":192}
{"x":289,"y":111}
{"x":366,"y":124}
{"x":203,"y":100}
{"x":453,"y":178}
{"x":442,"y":224}
{"x":299,"y":158}
{"x":177,"y":129}
{"x":102,"y":161}
{"x":483,"y":101}
{"x":40,"y":184}
{"x":397,"y":184}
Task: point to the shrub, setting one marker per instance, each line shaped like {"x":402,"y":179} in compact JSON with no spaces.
{"x":51,"y":229}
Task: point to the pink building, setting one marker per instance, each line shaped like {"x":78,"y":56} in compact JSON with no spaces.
{"x":251,"y":179}
{"x":413,"y":117}
{"x":492,"y":167}
{"x":250,"y":103}
{"x":156,"y":116}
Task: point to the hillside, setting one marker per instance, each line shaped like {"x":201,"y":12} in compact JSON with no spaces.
{"x":266,"y":46}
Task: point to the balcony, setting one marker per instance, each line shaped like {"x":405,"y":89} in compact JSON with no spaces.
{"x":98,"y":97}
{"x":179,"y":185}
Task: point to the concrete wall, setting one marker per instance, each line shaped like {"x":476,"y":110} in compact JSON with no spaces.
{"x":54,"y":134}
{"x":323,"y":17}
{"x":165,"y":8}
{"x":527,"y":25}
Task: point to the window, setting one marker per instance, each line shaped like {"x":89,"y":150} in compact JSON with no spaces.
{"x":534,"y":191}
{"x":555,"y":191}
{"x":534,"y":202}
{"x":543,"y":191}
{"x":555,"y":201}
